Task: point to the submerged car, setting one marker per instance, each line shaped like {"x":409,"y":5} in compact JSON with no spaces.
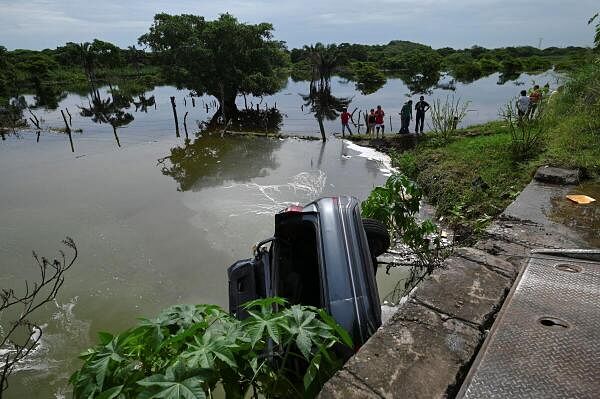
{"x":322,"y":254}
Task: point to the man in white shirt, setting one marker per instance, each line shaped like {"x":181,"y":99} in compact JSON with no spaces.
{"x":523,"y":104}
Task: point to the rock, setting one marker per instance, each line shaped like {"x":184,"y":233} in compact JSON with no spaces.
{"x":548,"y":174}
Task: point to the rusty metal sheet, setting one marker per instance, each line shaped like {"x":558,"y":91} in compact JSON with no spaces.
{"x":545,"y":342}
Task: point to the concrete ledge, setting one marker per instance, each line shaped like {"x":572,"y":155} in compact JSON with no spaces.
{"x":418,"y":354}
{"x":427,"y":347}
{"x":422,"y":351}
{"x":550,"y":175}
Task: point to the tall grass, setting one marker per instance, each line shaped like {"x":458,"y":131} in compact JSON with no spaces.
{"x":572,"y":118}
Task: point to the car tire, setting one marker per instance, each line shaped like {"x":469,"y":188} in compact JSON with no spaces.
{"x":378,"y":236}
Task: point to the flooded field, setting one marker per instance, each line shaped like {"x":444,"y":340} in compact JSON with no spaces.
{"x":157,"y":218}
{"x":156,"y":222}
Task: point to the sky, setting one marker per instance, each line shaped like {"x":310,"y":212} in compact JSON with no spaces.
{"x":38,"y":24}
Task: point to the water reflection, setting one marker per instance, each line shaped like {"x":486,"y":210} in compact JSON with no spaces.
{"x":109,"y":110}
{"x":323,"y":104}
{"x":211,"y":160}
{"x":143,"y":103}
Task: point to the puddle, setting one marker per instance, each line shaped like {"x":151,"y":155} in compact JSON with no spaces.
{"x":582,"y":219}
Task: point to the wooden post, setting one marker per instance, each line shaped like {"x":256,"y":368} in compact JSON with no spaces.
{"x":185,"y":124}
{"x":206,"y":108}
{"x":38,"y":137}
{"x":70,"y":117}
{"x":184,"y":102}
{"x":193,"y":103}
{"x":391,"y":129}
{"x":359,"y":120}
{"x":34,"y":120}
{"x":175,"y":116}
{"x":68,"y":130}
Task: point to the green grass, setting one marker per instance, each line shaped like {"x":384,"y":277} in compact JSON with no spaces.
{"x":472,"y":178}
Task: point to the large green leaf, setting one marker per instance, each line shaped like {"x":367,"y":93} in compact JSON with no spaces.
{"x":208,"y":348}
{"x":343,"y":334}
{"x":160,"y":387}
{"x":111,"y":393}
{"x":257,"y":324}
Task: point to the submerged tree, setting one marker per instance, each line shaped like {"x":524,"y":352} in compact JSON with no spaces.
{"x":222,"y":58}
{"x":324,"y":60}
{"x":323,"y":104}
{"x":110,"y":111}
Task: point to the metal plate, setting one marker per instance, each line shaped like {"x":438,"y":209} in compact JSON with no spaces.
{"x":546,"y":340}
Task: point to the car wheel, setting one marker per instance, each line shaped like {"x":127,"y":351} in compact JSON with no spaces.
{"x":377,"y":236}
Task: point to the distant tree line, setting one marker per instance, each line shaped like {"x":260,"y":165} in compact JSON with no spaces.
{"x":226,"y":58}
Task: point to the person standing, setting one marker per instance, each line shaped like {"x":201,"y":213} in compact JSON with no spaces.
{"x":405,"y":117}
{"x":421,"y":107}
{"x":371,"y":122}
{"x":346,"y":117}
{"x":523,"y":104}
{"x":379,"y":121}
{"x":535,"y":98}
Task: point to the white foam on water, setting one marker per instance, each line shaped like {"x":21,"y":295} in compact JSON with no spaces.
{"x":384,"y":161}
{"x":303,"y":187}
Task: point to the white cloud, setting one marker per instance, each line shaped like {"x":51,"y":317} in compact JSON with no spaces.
{"x":456,"y":23}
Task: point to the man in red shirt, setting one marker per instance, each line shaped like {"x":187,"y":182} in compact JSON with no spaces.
{"x":379,"y":121}
{"x":346,"y":116}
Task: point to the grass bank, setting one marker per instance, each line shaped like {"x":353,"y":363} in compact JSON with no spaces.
{"x":475,"y":174}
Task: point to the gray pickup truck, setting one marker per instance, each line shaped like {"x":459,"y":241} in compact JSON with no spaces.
{"x":323,"y":255}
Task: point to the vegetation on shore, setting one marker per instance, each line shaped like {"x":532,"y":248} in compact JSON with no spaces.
{"x":475,"y":173}
{"x":189,"y":351}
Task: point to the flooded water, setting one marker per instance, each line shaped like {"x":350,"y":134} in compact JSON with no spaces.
{"x":157,"y":219}
{"x":485,"y":95}
{"x":151,"y":231}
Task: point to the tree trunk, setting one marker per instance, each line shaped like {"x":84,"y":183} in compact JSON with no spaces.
{"x":116,"y":136}
{"x":322,"y":128}
{"x":175,"y":116}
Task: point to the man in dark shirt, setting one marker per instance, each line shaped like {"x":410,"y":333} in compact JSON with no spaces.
{"x":405,"y":117}
{"x":421,"y":107}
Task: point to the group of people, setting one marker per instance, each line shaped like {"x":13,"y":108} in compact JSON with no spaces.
{"x":528,"y":104}
{"x":376,"y":118}
{"x":375,"y":121}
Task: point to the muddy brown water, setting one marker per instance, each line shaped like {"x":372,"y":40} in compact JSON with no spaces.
{"x":156,"y":222}
{"x":153,"y":231}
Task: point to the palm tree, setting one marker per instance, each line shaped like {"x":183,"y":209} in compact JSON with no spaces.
{"x":323,"y":104}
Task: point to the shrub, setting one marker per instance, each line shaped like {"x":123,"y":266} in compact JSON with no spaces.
{"x":189,"y":350}
{"x":446,"y":116}
{"x":397,"y":204}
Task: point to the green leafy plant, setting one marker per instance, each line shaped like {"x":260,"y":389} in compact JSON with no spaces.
{"x":189,"y":351}
{"x":397,"y":204}
{"x":526,"y":131}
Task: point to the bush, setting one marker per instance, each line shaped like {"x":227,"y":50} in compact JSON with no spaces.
{"x":446,"y":116}
{"x":526,"y":132}
{"x":397,"y":204}
{"x":189,"y":350}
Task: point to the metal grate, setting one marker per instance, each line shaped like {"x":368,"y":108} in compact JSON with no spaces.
{"x":546,"y":340}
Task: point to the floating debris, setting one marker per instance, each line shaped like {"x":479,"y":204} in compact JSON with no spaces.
{"x":581,"y":199}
